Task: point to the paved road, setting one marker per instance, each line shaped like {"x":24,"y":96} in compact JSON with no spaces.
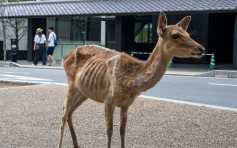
{"x":212,"y":91}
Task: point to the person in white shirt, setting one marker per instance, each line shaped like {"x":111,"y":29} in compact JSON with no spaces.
{"x":51,"y":46}
{"x":40,"y":44}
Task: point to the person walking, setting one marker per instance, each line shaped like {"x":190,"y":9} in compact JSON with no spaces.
{"x":40,"y":44}
{"x":51,"y":46}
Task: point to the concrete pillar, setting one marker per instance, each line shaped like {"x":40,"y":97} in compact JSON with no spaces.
{"x":118,"y":33}
{"x":235,"y":44}
{"x":29,"y":40}
{"x":103,"y":32}
{"x":154,"y":28}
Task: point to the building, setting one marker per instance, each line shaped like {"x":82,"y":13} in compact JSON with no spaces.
{"x":130,"y":25}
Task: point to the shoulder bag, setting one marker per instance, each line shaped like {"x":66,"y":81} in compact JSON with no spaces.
{"x":37,"y":47}
{"x":55,"y":42}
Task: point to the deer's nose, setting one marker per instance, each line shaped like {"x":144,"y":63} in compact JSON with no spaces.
{"x":201,"y":49}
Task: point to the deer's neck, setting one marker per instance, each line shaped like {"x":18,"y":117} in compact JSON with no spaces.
{"x":155,"y":67}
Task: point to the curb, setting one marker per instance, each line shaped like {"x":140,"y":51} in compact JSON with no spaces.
{"x":20,"y":82}
{"x":177,"y":74}
{"x":9,"y":64}
{"x":35,"y":67}
{"x":13,"y":64}
{"x":220,"y":74}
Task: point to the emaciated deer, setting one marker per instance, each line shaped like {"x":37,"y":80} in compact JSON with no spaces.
{"x":116,"y":79}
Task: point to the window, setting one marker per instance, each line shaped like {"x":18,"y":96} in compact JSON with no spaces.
{"x":63,"y":28}
{"x":93,"y":30}
{"x":78,"y":30}
{"x":81,"y":30}
{"x":143,"y":29}
{"x":143,"y":32}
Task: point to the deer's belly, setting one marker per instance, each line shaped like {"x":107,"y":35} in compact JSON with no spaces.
{"x":92,"y":81}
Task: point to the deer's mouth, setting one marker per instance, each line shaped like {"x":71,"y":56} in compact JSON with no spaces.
{"x":197,"y":55}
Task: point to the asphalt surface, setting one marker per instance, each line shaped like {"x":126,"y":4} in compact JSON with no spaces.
{"x":211,"y":91}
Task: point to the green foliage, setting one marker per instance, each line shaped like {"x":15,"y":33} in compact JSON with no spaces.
{"x":143,"y":34}
{"x":19,"y":27}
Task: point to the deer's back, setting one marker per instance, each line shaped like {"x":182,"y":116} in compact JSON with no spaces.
{"x":89,"y":69}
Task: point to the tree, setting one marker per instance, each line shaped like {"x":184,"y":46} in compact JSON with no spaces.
{"x":18,"y":25}
{"x":4,"y":13}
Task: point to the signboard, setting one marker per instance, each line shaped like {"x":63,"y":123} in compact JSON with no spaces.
{"x":13,"y":50}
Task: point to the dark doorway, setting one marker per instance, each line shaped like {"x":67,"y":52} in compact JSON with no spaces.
{"x":221,"y":36}
{"x":143,"y":36}
{"x":1,"y":50}
{"x":33,"y":24}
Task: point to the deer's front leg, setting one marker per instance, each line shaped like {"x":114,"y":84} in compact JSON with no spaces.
{"x":68,"y":105}
{"x":123,"y":122}
{"x":109,"y":112}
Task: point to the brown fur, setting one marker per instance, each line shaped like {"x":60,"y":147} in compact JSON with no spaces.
{"x":116,"y":79}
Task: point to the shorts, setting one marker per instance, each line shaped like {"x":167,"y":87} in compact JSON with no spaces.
{"x":50,"y":50}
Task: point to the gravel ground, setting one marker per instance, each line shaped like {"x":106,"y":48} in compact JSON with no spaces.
{"x":30,"y":117}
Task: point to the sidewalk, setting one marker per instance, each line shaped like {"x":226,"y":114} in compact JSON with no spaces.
{"x":203,"y":70}
{"x":188,"y":69}
{"x":198,"y":69}
{"x":28,"y":64}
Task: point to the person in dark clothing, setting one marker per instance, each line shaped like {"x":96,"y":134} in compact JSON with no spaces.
{"x":40,"y":45}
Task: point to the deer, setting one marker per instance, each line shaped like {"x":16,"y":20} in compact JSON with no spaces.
{"x":116,"y":79}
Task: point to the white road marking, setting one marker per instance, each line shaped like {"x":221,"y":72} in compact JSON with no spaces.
{"x":21,"y":78}
{"x":189,"y":103}
{"x":219,"y":84}
{"x":15,"y":72}
{"x":198,"y":77}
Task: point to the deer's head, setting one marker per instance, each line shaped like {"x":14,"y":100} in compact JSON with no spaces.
{"x":176,"y":40}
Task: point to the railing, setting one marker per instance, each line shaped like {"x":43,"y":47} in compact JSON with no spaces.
{"x":212,"y":62}
{"x":132,"y":53}
{"x":63,"y":50}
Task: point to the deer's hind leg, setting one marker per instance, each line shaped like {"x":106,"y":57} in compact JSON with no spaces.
{"x":123,"y":122}
{"x":109,"y":112}
{"x":73,"y":100}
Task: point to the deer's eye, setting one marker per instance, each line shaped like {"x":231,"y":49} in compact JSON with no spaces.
{"x":175,"y":36}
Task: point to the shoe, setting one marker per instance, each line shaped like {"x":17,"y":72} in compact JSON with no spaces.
{"x":34,"y":65}
{"x":54,"y":62}
{"x":50,"y":64}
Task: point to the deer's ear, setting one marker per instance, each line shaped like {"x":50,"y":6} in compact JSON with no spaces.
{"x":184,"y":22}
{"x":162,"y":23}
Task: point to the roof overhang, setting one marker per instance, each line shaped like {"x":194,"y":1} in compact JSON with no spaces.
{"x":118,"y":7}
